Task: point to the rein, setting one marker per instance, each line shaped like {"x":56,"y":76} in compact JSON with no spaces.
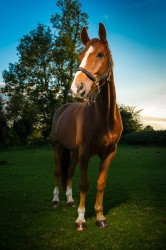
{"x":96,"y":81}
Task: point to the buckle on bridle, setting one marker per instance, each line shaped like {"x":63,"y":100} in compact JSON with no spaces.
{"x":97,"y":82}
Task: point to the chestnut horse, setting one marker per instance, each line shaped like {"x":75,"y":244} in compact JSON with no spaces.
{"x":93,"y":127}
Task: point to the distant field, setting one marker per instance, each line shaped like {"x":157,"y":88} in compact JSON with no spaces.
{"x":134,"y":202}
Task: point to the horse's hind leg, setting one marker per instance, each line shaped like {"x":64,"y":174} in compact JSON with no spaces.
{"x":69,"y":195}
{"x":73,"y":163}
{"x":57,"y":172}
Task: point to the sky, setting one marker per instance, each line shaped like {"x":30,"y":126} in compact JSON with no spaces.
{"x":136,"y":32}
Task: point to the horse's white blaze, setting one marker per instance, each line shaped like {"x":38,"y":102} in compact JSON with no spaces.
{"x":69,"y":194}
{"x":56,"y":194}
{"x":81,"y":213}
{"x":84,"y":60}
{"x":83,"y":65}
{"x":73,"y":86}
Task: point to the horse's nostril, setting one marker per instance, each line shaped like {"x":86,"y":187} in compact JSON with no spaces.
{"x":83,"y":93}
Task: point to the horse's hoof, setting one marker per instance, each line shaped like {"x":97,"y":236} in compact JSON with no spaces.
{"x":80,"y":226}
{"x":55,"y":204}
{"x":71,"y":204}
{"x":101,"y":223}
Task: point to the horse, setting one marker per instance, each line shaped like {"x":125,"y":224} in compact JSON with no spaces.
{"x":90,"y":127}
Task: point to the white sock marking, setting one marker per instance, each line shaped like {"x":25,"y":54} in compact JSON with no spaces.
{"x":81,"y":213}
{"x":56,"y":194}
{"x":69,"y":194}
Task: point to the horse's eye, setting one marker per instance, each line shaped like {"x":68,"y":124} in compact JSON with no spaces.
{"x":100,"y":54}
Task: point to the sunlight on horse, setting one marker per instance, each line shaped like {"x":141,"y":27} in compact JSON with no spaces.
{"x":92,"y":127}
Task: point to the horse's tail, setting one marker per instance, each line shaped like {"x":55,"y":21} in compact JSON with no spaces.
{"x":65,"y":162}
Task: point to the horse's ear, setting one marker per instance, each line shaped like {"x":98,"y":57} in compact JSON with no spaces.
{"x":84,"y":36}
{"x":102,"y":33}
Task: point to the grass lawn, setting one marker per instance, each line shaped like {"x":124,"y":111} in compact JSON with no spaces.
{"x":134,"y":202}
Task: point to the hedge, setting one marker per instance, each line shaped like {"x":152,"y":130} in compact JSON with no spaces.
{"x":157,"y":138}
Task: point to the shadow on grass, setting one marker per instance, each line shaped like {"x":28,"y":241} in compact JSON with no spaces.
{"x":114,"y":196}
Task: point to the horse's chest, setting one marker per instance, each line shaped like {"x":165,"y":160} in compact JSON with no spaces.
{"x":105,"y":141}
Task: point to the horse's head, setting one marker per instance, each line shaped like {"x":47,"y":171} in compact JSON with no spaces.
{"x":95,"y":64}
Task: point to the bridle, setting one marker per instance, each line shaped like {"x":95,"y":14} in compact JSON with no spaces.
{"x":97,"y":81}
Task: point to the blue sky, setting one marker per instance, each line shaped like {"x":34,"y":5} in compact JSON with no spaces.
{"x":136,"y":31}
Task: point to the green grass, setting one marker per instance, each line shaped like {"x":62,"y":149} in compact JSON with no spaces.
{"x":134,"y":202}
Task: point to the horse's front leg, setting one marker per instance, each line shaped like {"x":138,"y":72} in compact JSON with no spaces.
{"x":80,"y":224}
{"x":101,"y":183}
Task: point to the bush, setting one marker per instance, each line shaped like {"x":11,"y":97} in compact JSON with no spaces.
{"x":36,"y":141}
{"x":157,"y":138}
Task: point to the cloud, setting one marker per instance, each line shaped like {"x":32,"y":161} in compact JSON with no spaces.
{"x":155,"y":107}
{"x":156,"y":122}
{"x":155,"y":119}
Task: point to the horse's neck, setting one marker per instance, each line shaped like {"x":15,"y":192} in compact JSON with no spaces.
{"x":106,"y":102}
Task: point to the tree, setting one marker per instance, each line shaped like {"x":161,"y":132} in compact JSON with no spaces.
{"x":22,"y":116}
{"x":42,"y":76}
{"x":3,"y":124}
{"x":67,"y":42}
{"x":130,"y":118}
{"x":33,"y":78}
{"x":148,"y":128}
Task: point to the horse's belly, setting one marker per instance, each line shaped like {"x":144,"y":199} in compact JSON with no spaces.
{"x":68,"y":141}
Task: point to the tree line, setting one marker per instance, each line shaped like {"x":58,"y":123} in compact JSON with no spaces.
{"x":40,"y":80}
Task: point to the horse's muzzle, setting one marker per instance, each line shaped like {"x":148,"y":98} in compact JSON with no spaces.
{"x":78,"y":91}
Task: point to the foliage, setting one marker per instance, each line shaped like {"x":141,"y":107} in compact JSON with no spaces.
{"x":134,"y":202}
{"x":67,"y":43}
{"x":130,"y":118}
{"x":39,"y":81}
{"x":37,"y":141}
{"x":32,"y":79}
{"x":3,"y":124}
{"x":148,"y":128}
{"x":157,"y":138}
